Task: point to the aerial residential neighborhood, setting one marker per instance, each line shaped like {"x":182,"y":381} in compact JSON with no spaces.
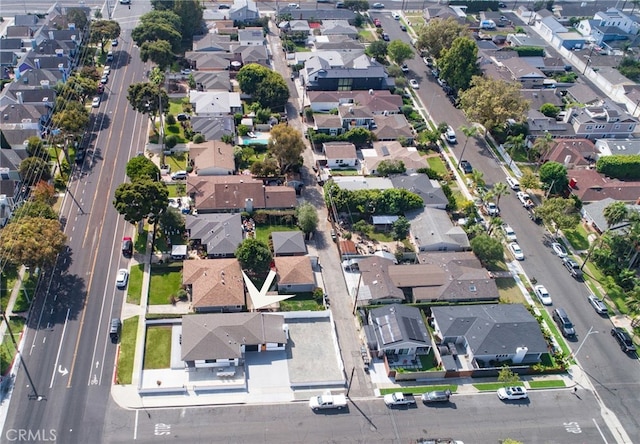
{"x":301,"y":219}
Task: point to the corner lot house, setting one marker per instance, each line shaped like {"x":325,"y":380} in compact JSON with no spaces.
{"x":214,"y":285}
{"x":221,"y":340}
{"x":487,"y":335}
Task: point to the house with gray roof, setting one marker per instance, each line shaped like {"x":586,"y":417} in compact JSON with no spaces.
{"x":593,"y":212}
{"x":375,"y":285}
{"x":337,"y":42}
{"x":353,"y":183}
{"x":319,"y":14}
{"x":625,"y":147}
{"x":288,"y":243}
{"x":251,"y":37}
{"x":40,"y":77}
{"x":322,"y":73}
{"x":429,"y":190}
{"x":339,"y":27}
{"x":212,"y":80}
{"x":219,"y":234}
{"x":213,"y":127}
{"x":221,"y":340}
{"x":433,"y":230}
{"x":24,"y":116}
{"x":604,"y":120}
{"x":244,"y":11}
{"x":212,"y":42}
{"x":17,"y":93}
{"x":392,"y":151}
{"x":397,"y":330}
{"x":488,"y":335}
{"x":215,"y":103}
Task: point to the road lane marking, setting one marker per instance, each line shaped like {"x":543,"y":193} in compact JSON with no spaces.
{"x":135,"y":426}
{"x":600,"y":431}
{"x":55,"y":366}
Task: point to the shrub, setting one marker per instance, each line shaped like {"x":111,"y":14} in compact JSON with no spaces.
{"x":621,"y":167}
{"x":198,"y":138}
{"x":170,"y":141}
{"x":170,"y":119}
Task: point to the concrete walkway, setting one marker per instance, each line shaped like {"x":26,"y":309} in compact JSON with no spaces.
{"x":15,"y":291}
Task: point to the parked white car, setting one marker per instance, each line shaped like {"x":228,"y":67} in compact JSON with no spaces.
{"x":559,"y":249}
{"x":414,"y":84}
{"x":516,"y":251}
{"x":509,"y":233}
{"x":542,"y":294}
{"x":513,"y":183}
{"x":512,"y":393}
{"x":122,"y":278}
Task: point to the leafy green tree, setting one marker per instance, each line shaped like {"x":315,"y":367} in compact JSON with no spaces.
{"x":171,"y":221}
{"x":34,"y":169}
{"x":620,"y":166}
{"x":487,"y":249}
{"x":73,"y":119}
{"x":549,"y":110}
{"x":529,"y":181}
{"x":267,"y":87}
{"x":553,"y":176}
{"x":143,"y":198}
{"x":630,"y":68}
{"x":159,"y":52}
{"x":399,"y":51}
{"x":286,"y":145}
{"x":563,"y":214}
{"x":439,"y":35}
{"x":389,"y":167}
{"x":507,"y":376}
{"x":359,"y":136}
{"x":458,"y":63}
{"x":400,"y":228}
{"x":515,"y":143}
{"x":44,"y":192}
{"x":32,"y":241}
{"x":34,"y":208}
{"x":542,"y":147}
{"x":147,"y":98}
{"x":254,"y":256}
{"x":78,"y":88}
{"x":357,"y":5}
{"x":377,"y":49}
{"x":35,"y":148}
{"x":102,"y":31}
{"x":307,"y":216}
{"x":492,"y":102}
{"x":499,"y":189}
{"x":190,"y":13}
{"x":90,"y":72}
{"x":615,"y":213}
{"x":141,"y":167}
{"x":159,"y":25}
{"x":78,"y":17}
{"x":157,"y":77}
{"x":362,"y":227}
{"x":162,"y":5}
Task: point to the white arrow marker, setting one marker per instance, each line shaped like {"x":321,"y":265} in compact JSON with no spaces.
{"x":63,"y":371}
{"x":97,"y":364}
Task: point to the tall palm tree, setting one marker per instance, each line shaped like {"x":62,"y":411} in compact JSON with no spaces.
{"x":478,"y":178}
{"x":513,"y":145}
{"x":468,"y":131}
{"x":494,"y":222}
{"x":543,"y":146}
{"x":615,"y":213}
{"x":500,"y":189}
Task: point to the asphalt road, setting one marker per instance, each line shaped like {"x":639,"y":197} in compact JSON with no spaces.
{"x":548,"y":417}
{"x":67,"y":351}
{"x":615,"y":375}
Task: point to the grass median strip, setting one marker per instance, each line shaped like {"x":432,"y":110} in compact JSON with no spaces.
{"x":551,"y":383}
{"x":127,"y":350}
{"x":493,"y":386}
{"x":419,"y":390}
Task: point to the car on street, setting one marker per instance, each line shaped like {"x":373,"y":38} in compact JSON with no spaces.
{"x":492,"y":209}
{"x":127,"y":246}
{"x":623,"y":338}
{"x":427,"y":61}
{"x":403,"y":28}
{"x":106,"y":70}
{"x":95,"y":102}
{"x":465,"y":166}
{"x":385,"y":37}
{"x":100,"y":88}
{"x":598,"y":304}
{"x":294,"y":5}
{"x":572,"y":267}
{"x":122,"y":278}
{"x":542,"y":294}
{"x":125,"y":2}
{"x":404,"y":68}
{"x":516,"y":251}
{"x":104,"y":79}
{"x":377,"y":23}
{"x":564,"y":323}
{"x":513,"y":183}
{"x":512,"y":393}
{"x":436,"y":396}
{"x":395,"y":16}
{"x":509,"y":233}
{"x":378,"y":6}
{"x":80,"y":155}
{"x":224,"y":7}
{"x":450,"y":135}
{"x":559,"y":249}
{"x":179,"y":175}
{"x":414,"y":84}
{"x":114,"y":42}
{"x":524,"y":199}
{"x":339,"y":5}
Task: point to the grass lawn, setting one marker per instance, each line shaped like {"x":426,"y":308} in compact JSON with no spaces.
{"x":177,"y":161}
{"x":345,"y":173}
{"x":303,"y":301}
{"x":509,"y":291}
{"x":494,"y":386}
{"x":419,"y":390}
{"x":7,"y":349}
{"x":127,"y":350}
{"x":437,"y":164}
{"x":367,"y":36}
{"x":263,"y":231}
{"x":165,"y":282}
{"x":547,"y":384}
{"x":554,"y":331}
{"x":578,"y":238}
{"x":140,"y":244}
{"x":417,"y":20}
{"x":380,"y":236}
{"x":175,"y":106}
{"x":157,"y":349}
{"x":134,"y":290}
{"x":9,"y":279}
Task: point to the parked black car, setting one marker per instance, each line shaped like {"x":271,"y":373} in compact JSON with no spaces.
{"x":623,"y":338}
{"x":465,"y":166}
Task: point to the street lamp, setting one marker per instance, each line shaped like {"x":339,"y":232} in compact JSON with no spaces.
{"x":590,"y":332}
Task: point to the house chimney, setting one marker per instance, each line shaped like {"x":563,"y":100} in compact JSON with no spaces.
{"x":37,"y":62}
{"x":19,"y":97}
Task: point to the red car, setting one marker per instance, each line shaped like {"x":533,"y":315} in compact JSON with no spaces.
{"x":377,"y":23}
{"x":100,"y":88}
{"x":127,"y":247}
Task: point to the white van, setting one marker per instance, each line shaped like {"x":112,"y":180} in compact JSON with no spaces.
{"x":450,"y":135}
{"x":179,"y":175}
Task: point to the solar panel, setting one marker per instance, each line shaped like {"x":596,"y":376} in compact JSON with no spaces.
{"x":385,"y":150}
{"x":389,"y":329}
{"x":413,"y":328}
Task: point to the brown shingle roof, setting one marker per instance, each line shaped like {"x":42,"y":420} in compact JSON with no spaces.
{"x":213,"y":153}
{"x":214,"y":282}
{"x":591,"y":186}
{"x":294,"y":270}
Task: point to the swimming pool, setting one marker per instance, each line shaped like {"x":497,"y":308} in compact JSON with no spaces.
{"x":259,"y":138}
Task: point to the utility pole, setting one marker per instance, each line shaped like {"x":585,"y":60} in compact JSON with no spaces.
{"x":34,"y":395}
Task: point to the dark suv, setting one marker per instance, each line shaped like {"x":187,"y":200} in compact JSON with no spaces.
{"x":563,"y":322}
{"x":623,"y":338}
{"x":573,"y":267}
{"x":466,"y":166}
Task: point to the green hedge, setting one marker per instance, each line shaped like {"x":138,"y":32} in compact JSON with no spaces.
{"x":620,"y":166}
